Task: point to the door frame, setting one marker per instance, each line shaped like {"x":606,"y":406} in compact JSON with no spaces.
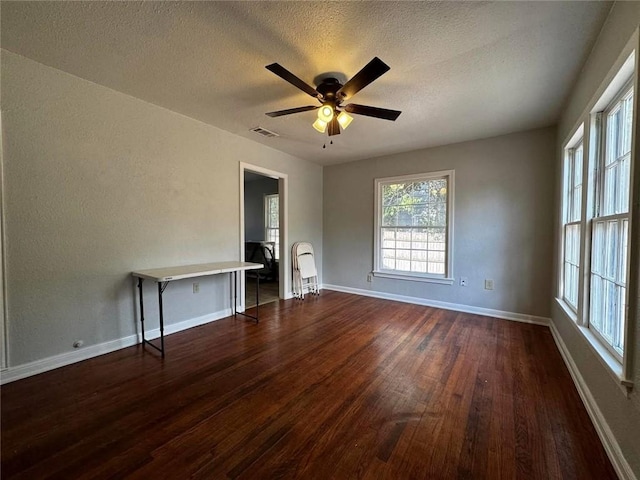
{"x":4,"y":346}
{"x":284,"y":283}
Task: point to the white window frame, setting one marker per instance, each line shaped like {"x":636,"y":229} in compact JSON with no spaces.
{"x":378,"y":270}
{"x":598,"y":187}
{"x":622,"y":74}
{"x":572,"y":217}
{"x":267,"y":223}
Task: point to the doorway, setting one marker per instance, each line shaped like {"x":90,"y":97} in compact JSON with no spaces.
{"x":263,"y":233}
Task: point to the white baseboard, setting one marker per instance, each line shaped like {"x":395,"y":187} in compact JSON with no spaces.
{"x":39,"y":366}
{"x":607,"y":438}
{"x":517,"y":317}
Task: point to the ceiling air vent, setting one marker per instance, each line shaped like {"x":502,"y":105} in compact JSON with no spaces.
{"x":264,"y":132}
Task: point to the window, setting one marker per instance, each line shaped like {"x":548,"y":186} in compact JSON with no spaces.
{"x":596,"y":227}
{"x":572,"y":202}
{"x":610,"y":224}
{"x":413,"y":231}
{"x":272,"y":221}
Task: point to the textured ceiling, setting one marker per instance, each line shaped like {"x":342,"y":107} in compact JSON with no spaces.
{"x":459,"y":71}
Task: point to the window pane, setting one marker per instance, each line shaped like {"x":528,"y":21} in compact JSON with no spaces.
{"x":436,"y":257}
{"x":272,"y":222}
{"x":420,"y":267}
{"x":608,"y":277}
{"x":617,"y":164}
{"x":610,"y":244}
{"x":405,"y":215}
{"x":389,"y":263}
{"x":597,"y":290}
{"x":389,"y":194}
{"x":403,"y":254}
{"x":437,"y":239}
{"x":274,"y":211}
{"x":618,"y":341}
{"x":388,"y":243}
{"x":597,"y":247}
{"x":622,"y":268}
{"x":419,"y":238}
{"x":389,"y":216}
{"x":403,"y":265}
{"x":421,"y":192}
{"x":438,"y":190}
{"x":441,"y":214}
{"x":609,"y":196}
{"x":622,"y":190}
{"x":613,"y":133}
{"x":435,"y":268}
{"x":628,"y":122}
{"x":571,"y":264}
{"x":419,"y":255}
{"x":577,"y":165}
{"x":420,"y":215}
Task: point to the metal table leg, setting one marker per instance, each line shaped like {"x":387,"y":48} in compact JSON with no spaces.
{"x":140,"y":280}
{"x":161,"y":287}
{"x":257,"y":298}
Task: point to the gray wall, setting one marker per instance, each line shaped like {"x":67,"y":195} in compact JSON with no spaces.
{"x":98,"y":184}
{"x":503,"y":221}
{"x":254,"y":192}
{"x":622,"y":414}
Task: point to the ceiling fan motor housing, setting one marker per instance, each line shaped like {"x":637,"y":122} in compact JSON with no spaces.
{"x":328,"y":91}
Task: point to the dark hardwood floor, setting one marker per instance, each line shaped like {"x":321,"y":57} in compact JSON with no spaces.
{"x":337,"y":386}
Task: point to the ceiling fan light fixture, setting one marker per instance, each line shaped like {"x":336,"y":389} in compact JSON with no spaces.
{"x":320,"y":125}
{"x":325,"y":113}
{"x":344,"y":119}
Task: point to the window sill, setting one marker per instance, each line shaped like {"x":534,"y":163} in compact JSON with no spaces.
{"x":414,"y":278}
{"x":608,"y":360}
{"x":568,"y":311}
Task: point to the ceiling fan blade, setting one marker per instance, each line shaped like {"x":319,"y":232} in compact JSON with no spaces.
{"x":289,"y":111}
{"x":372,"y":111}
{"x":372,"y":70}
{"x":292,"y":79}
{"x":334,"y":127}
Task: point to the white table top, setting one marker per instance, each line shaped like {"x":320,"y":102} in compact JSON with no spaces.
{"x":189,"y":271}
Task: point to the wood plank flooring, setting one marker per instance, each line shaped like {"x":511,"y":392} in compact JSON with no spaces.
{"x":338,"y":386}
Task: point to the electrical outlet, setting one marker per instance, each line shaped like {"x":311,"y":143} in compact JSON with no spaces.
{"x":488,"y":284}
{"x":196,"y":288}
{"x":369,"y":278}
{"x":464,"y":281}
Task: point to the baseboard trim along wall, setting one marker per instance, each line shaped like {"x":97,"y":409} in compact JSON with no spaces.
{"x":458,"y":307}
{"x":607,"y":438}
{"x":18,"y":372}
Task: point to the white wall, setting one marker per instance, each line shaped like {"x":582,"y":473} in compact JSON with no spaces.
{"x":503,"y":221}
{"x":620,"y":414}
{"x":99,"y":184}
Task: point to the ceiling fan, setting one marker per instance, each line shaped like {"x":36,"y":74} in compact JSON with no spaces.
{"x":331,"y":93}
